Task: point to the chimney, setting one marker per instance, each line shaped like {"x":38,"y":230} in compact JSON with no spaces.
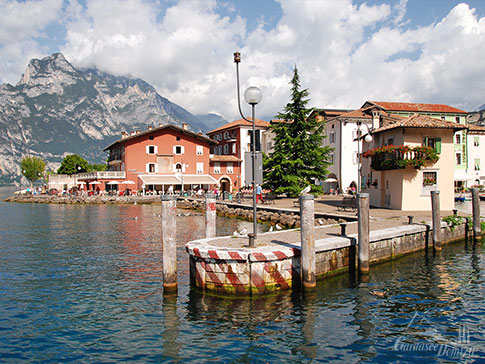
{"x":138,"y":131}
{"x":160,"y":125}
{"x":124,"y":134}
{"x":132,"y":132}
{"x":150,"y":127}
{"x":376,"y":119}
{"x":200,"y":133}
{"x":185,"y":126}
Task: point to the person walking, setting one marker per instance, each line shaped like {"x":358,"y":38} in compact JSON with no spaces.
{"x":259,"y":194}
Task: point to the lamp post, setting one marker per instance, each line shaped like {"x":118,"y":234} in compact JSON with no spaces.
{"x":253,"y":97}
{"x":368,"y":139}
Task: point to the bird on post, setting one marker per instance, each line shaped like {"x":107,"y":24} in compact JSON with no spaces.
{"x":306,"y":190}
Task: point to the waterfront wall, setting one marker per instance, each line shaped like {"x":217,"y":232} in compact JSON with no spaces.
{"x":262,"y":270}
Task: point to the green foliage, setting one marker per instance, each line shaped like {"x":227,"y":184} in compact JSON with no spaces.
{"x":32,"y":168}
{"x":298,"y":156}
{"x":97,"y":167}
{"x":400,"y":156}
{"x":452,"y":221}
{"x":73,"y":164}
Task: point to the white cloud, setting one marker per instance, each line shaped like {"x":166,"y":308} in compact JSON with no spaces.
{"x":346,"y":53}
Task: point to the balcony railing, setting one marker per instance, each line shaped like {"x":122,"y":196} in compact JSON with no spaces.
{"x":401,"y":156}
{"x":102,"y":175}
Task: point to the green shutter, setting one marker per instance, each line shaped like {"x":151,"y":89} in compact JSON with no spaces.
{"x":438,"y":145}
{"x":425,"y":141}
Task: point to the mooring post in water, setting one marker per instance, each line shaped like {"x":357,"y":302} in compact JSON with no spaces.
{"x":477,"y":226}
{"x":307,"y":218}
{"x":435,"y":210}
{"x":210,"y":215}
{"x":169,"y":243}
{"x":363,"y":233}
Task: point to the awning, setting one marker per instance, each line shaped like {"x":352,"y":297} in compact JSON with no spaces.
{"x":198,"y":179}
{"x":160,"y":179}
{"x":462,"y":176}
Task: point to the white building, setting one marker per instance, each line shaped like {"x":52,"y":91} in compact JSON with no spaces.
{"x":475,"y":173}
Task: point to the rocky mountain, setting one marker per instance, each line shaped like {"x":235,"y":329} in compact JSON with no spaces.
{"x":56,"y":109}
{"x":477,"y":117}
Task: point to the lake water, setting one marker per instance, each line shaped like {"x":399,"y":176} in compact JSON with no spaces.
{"x":83,"y":284}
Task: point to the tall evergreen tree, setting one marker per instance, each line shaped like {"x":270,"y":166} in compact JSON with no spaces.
{"x":298,"y":156}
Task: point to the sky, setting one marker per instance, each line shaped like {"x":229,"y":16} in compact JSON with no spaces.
{"x":346,"y":51}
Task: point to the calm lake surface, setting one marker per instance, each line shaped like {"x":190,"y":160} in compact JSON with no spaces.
{"x":84,"y":284}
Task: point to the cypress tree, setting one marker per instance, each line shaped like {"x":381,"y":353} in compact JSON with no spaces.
{"x":298,"y":156}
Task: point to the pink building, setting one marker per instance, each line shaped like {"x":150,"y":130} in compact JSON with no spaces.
{"x":231,"y":162}
{"x":166,"y":158}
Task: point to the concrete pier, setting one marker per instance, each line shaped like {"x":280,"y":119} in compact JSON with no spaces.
{"x":169,"y":243}
{"x":435,"y":211}
{"x":307,"y":213}
{"x":210,"y":215}
{"x":363,"y":233}
{"x":477,"y":226}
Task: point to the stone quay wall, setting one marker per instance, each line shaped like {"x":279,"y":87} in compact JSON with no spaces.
{"x":268,"y":269}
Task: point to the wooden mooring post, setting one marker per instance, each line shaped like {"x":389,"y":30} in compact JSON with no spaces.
{"x":363,"y":234}
{"x":210,"y":215}
{"x":307,"y":218}
{"x":477,"y":226}
{"x":436,"y":218}
{"x":169,"y":243}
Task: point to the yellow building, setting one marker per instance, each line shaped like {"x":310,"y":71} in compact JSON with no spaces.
{"x":408,"y":158}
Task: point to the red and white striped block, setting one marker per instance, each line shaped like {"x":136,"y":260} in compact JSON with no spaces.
{"x":242,"y":271}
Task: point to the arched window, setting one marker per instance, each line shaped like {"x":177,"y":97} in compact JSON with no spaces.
{"x":178,"y":168}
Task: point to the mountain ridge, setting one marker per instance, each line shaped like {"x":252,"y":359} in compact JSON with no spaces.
{"x":56,"y":109}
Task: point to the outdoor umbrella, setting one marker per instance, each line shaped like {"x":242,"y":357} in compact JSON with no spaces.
{"x":128,"y":182}
{"x":330,"y":180}
{"x":95,"y":183}
{"x":112,"y":183}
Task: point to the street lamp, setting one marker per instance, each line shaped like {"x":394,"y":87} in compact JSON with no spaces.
{"x":367,"y":139}
{"x":253,"y":97}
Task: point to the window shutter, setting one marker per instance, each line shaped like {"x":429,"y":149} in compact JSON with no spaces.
{"x":438,"y":145}
{"x":173,"y":149}
{"x":183,"y":150}
{"x":425,"y":141}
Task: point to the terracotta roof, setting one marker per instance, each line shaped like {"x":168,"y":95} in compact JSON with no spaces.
{"x":239,"y":123}
{"x":359,"y":113}
{"x":415,"y":107}
{"x":418,"y":121}
{"x":475,"y":129}
{"x":224,"y":158}
{"x":166,"y":126}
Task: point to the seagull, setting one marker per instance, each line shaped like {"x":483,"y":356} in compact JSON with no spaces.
{"x":306,"y":190}
{"x":243,"y":231}
{"x":320,"y":221}
{"x":187,"y":214}
{"x":278,"y":227}
{"x":270,"y":228}
{"x":134,"y":203}
{"x":235,"y":233}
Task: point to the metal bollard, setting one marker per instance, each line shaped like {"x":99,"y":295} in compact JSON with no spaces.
{"x":363,"y":232}
{"x":307,"y":218}
{"x":251,"y":237}
{"x":210,"y":215}
{"x":169,"y":243}
{"x":343,"y":228}
{"x":410,"y":219}
{"x":455,"y":212}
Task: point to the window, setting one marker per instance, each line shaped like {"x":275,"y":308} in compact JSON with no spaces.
{"x":199,"y":150}
{"x":151,"y":168}
{"x":457,"y":119}
{"x":151,"y":137}
{"x":234,"y":148}
{"x":151,"y":149}
{"x":199,"y":169}
{"x":178,"y":149}
{"x":430,"y":178}
{"x":477,"y":164}
{"x":178,"y":138}
{"x":332,"y":137}
{"x":226,"y":148}
{"x":217,"y":168}
{"x":476,"y":141}
{"x":229,"y":168}
{"x":331,"y":158}
{"x":433,"y":143}
{"x":458,"y":138}
{"x":390,"y":141}
{"x":443,"y":118}
{"x":178,"y":168}
{"x":226,"y":135}
{"x":458,"y":158}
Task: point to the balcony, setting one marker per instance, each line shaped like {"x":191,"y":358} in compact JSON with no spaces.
{"x":102,"y":175}
{"x":396,"y":157}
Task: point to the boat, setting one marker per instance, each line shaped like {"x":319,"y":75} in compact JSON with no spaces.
{"x":482,"y":196}
{"x":459,"y":198}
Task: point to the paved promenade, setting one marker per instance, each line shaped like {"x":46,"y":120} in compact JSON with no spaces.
{"x":379,"y":219}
